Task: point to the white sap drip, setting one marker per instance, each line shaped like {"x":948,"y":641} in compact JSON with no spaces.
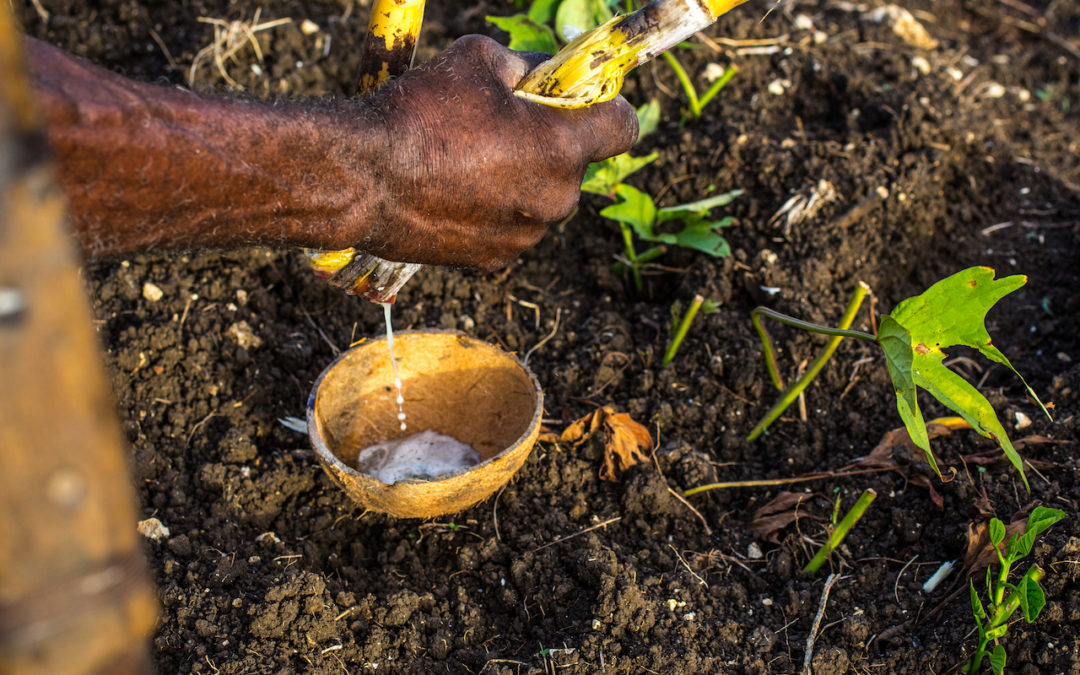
{"x":397,"y":380}
{"x":426,"y":456}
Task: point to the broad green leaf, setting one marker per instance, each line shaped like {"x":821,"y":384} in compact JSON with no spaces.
{"x":526,"y":35}
{"x":1039,"y":521}
{"x":579,"y":16}
{"x":543,"y":11}
{"x":996,"y":632}
{"x":1031,"y":598}
{"x":699,"y":208}
{"x":997,"y":660}
{"x":977,"y":609}
{"x":701,"y":235}
{"x":997,"y":531}
{"x":603,"y":177}
{"x":635,"y":208}
{"x":951,"y":312}
{"x":895,"y":341}
{"x":648,"y":118}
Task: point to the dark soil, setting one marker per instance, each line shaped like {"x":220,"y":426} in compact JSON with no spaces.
{"x":269,"y":567}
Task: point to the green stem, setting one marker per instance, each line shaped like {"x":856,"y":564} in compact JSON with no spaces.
{"x":687,"y":85}
{"x":684,"y":326}
{"x":651,"y":254}
{"x":1001,"y":613}
{"x":788,"y":397}
{"x":631,"y":254}
{"x":716,"y":87}
{"x":841,"y":531}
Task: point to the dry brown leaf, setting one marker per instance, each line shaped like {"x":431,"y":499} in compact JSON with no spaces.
{"x":626,"y":442}
{"x":980,"y":552}
{"x":924,"y":482}
{"x":780,"y":512}
{"x":897,"y":444}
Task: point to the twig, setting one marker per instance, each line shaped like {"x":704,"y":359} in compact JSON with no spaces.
{"x":674,"y":493}
{"x":810,"y":639}
{"x":538,"y":345}
{"x":896,"y":586}
{"x":316,"y":326}
{"x":688,"y":568}
{"x":767,"y":482}
{"x":578,"y":533}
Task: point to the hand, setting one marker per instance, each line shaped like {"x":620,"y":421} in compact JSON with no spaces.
{"x":470,"y":174}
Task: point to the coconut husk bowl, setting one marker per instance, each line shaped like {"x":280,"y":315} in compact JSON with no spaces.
{"x":452,"y":384}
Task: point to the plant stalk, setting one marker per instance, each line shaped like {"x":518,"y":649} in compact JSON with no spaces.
{"x":684,"y":326}
{"x":841,"y":531}
{"x":788,"y":397}
{"x":1001,"y":613}
{"x":631,"y":254}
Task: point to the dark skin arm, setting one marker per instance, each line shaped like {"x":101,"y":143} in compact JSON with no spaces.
{"x":444,"y":165}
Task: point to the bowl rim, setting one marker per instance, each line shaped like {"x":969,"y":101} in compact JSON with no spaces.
{"x":328,"y":456}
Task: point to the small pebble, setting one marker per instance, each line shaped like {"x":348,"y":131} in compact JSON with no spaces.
{"x":309,"y":27}
{"x":152,"y":292}
{"x":152,"y":529}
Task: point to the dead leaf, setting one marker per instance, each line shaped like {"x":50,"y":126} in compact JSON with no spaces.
{"x":897,"y":445}
{"x":780,"y":512}
{"x":924,"y":482}
{"x":626,"y":442}
{"x":980,"y":552}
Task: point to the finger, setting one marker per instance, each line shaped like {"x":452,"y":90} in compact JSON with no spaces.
{"x":612,"y":128}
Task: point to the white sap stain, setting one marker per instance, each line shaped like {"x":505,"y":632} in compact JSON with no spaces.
{"x":426,"y":455}
{"x":393,"y":362}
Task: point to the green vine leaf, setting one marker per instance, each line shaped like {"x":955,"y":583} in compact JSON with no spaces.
{"x":526,"y":33}
{"x":603,"y":177}
{"x":951,"y":312}
{"x":997,"y":660}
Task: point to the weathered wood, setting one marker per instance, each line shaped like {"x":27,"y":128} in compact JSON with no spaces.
{"x":74,"y":594}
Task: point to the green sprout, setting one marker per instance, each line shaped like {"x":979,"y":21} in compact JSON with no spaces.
{"x":696,"y":104}
{"x":681,"y":324}
{"x":637,"y":215}
{"x":913,"y":338}
{"x":841,"y":530}
{"x":993,"y":620}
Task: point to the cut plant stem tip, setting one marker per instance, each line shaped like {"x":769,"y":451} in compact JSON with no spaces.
{"x":591,"y":69}
{"x":841,"y":531}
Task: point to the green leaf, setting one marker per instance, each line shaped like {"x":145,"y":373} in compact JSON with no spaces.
{"x":1039,"y":521}
{"x":701,"y":235}
{"x":895,"y":341}
{"x":1031,"y":598}
{"x":580,"y":16}
{"x":648,"y":118}
{"x":526,"y":35}
{"x":635,"y":208}
{"x":698,"y":208}
{"x":977,"y":609}
{"x":997,"y":531}
{"x":951,"y":312}
{"x":603,"y":177}
{"x":997,"y":660}
{"x":543,"y":11}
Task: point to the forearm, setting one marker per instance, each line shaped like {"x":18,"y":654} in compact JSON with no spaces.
{"x":151,"y":167}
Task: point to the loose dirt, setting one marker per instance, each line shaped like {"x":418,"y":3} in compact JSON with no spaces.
{"x":923,"y":161}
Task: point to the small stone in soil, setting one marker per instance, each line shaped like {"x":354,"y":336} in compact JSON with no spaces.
{"x":427,"y":455}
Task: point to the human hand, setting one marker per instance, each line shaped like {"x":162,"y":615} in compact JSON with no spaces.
{"x":471,"y":174}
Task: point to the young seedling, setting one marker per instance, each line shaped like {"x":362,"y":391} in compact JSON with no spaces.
{"x":696,"y":104}
{"x":681,"y":325}
{"x":992,"y":621}
{"x":637,"y":214}
{"x":841,"y":531}
{"x":913,"y":338}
